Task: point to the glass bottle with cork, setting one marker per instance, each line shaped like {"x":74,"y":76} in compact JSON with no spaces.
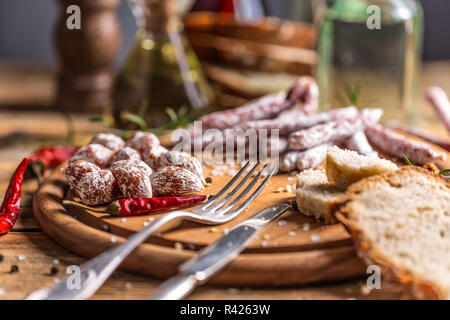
{"x":369,"y":55}
{"x":162,"y":71}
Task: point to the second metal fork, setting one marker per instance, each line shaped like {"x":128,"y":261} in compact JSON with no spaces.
{"x":216,"y":210}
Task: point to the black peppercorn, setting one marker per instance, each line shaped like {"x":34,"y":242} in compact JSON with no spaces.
{"x":14,"y":268}
{"x":54,"y":270}
{"x":1,"y":257}
{"x":208,"y":180}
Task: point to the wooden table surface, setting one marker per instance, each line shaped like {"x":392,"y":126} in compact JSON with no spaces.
{"x":23,"y":128}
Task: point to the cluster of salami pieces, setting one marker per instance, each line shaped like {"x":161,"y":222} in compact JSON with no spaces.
{"x":108,"y":168}
{"x":304,"y":135}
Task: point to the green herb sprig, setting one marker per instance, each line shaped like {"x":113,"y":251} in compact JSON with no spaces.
{"x":442,"y":173}
{"x":177,"y":119}
{"x":350,"y":96}
{"x":405,"y":158}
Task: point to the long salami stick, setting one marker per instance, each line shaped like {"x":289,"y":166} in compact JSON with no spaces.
{"x":267,"y":107}
{"x":439,"y":100}
{"x":294,"y":120}
{"x":442,"y":142}
{"x":333,"y":131}
{"x":302,"y":160}
{"x":397,"y":145}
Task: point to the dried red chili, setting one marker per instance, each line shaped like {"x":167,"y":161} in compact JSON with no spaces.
{"x":142,"y":206}
{"x":10,"y":209}
{"x":49,"y":157}
{"x":52,"y":156}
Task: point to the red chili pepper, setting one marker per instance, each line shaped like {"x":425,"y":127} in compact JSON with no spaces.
{"x":142,"y":206}
{"x":52,"y":156}
{"x":48,"y":157}
{"x":10,"y":209}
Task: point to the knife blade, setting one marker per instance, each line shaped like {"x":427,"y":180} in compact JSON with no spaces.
{"x":216,"y":256}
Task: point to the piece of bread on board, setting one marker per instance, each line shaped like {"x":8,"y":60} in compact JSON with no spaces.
{"x":400,"y":221}
{"x":315,"y":196}
{"x":345,"y":167}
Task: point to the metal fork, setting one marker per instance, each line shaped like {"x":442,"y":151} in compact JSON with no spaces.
{"x":215,"y":211}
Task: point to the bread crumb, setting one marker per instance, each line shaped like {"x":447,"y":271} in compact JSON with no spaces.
{"x":178,"y":246}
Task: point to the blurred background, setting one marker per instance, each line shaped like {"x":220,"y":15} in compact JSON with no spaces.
{"x":27,"y":27}
{"x":230,"y":51}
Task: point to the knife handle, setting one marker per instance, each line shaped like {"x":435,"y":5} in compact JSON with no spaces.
{"x":176,"y":288}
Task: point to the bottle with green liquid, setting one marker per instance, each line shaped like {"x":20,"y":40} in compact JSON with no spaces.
{"x":369,"y":55}
{"x":161,"y":72}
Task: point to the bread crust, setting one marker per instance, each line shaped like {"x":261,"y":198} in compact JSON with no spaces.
{"x":367,"y":250}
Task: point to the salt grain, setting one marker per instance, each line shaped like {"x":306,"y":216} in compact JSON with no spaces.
{"x":146,"y":223}
{"x":151,"y":219}
{"x":113,"y":239}
{"x":225,"y":231}
{"x":306,"y":227}
{"x":291,"y":233}
{"x":178,"y":246}
{"x":55,"y":261}
{"x":21,"y":257}
{"x":365,"y":290}
{"x":264,"y":243}
{"x":2,"y":291}
{"x":128,"y":286}
{"x":282,"y":223}
{"x":315,"y":237}
{"x":124,"y":219}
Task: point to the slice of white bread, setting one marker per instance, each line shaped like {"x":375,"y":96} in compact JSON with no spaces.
{"x":400,"y":221}
{"x":315,"y":196}
{"x":345,"y":167}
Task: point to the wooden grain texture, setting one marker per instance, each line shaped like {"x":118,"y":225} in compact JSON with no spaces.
{"x":41,"y":254}
{"x":21,"y":85}
{"x":285,"y":264}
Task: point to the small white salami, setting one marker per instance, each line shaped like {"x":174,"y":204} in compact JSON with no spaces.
{"x":127,"y":153}
{"x":183,"y":160}
{"x":175,"y":181}
{"x":95,"y":153}
{"x":109,"y":140}
{"x":142,"y":141}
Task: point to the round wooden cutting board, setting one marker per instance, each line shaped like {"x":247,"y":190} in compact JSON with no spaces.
{"x":293,"y":249}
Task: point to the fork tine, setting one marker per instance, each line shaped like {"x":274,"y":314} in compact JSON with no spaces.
{"x":236,"y":189}
{"x":258,"y":190}
{"x":246,"y":190}
{"x":224,"y":189}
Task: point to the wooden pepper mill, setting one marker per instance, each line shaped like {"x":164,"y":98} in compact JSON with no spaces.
{"x":85,"y":75}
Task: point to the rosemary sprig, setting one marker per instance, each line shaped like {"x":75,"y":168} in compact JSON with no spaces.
{"x":350,"y":95}
{"x":177,"y":119}
{"x":134,"y":118}
{"x":409,"y":163}
{"x":442,"y":173}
